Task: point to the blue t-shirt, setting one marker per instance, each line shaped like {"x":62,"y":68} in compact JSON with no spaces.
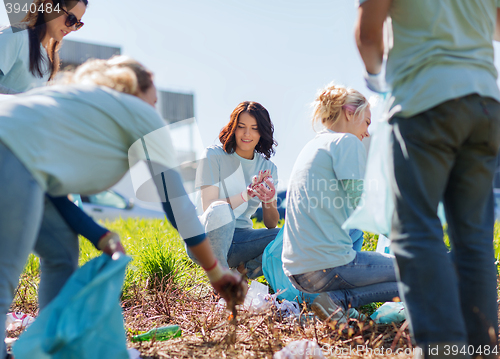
{"x":318,"y":204}
{"x":15,"y":61}
{"x":232,"y":174}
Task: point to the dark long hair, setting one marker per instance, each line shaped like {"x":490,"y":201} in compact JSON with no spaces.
{"x":37,"y":29}
{"x":264,"y":125}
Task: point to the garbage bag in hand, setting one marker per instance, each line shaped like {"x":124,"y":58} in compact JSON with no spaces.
{"x":272,"y":266}
{"x":85,"y":320}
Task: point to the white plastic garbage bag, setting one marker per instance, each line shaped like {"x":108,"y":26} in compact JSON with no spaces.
{"x":255,"y":299}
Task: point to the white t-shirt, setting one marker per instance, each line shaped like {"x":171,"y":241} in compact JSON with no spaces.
{"x":83,"y":138}
{"x":318,"y":205}
{"x":15,"y":61}
{"x":232,"y":174}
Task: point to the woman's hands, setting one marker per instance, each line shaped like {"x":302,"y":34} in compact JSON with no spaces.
{"x":266,"y":191}
{"x":110,"y":244}
{"x":228,"y":284}
{"x":262,"y":187}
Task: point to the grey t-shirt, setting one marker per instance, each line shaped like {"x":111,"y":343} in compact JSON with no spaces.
{"x":100,"y":130}
{"x":318,"y":205}
{"x":232,"y":174}
{"x":442,"y":50}
{"x":15,"y":61}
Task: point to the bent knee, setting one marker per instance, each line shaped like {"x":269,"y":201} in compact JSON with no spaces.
{"x":217,"y":215}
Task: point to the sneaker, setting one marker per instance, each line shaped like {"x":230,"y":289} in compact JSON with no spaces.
{"x":325,"y":308}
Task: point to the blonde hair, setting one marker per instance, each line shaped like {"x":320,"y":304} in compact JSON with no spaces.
{"x":121,"y":73}
{"x":331,"y":100}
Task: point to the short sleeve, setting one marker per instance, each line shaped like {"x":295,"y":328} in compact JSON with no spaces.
{"x":216,"y":167}
{"x":10,"y":43}
{"x":208,"y":170}
{"x":349,"y":158}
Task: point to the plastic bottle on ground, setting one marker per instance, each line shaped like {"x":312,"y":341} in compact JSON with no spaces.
{"x":162,"y":333}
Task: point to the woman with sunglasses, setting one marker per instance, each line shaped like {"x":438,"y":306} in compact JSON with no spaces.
{"x":29,"y":51}
{"x":29,"y":58}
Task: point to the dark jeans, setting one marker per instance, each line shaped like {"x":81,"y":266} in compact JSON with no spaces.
{"x":448,"y":154}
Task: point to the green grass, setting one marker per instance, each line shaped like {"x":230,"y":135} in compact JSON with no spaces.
{"x":158,"y":254}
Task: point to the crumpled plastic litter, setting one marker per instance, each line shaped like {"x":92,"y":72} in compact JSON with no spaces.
{"x":300,"y":349}
{"x":133,"y":353}
{"x":383,"y":244}
{"x":17,"y":320}
{"x":258,"y":299}
{"x":390,"y":312}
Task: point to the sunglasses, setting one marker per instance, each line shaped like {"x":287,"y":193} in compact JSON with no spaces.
{"x":72,"y":20}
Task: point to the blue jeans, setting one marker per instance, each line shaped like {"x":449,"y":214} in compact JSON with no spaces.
{"x":58,"y":248}
{"x":447,"y":153}
{"x":234,"y":246}
{"x":29,"y":220}
{"x":370,"y":277}
{"x":21,"y":210}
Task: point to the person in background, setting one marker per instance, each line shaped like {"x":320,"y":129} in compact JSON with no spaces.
{"x":106,"y":107}
{"x":29,"y":58}
{"x":325,"y":188}
{"x":445,"y":140}
{"x":234,"y":179}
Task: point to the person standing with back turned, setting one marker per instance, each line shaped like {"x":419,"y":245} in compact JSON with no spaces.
{"x":444,"y":142}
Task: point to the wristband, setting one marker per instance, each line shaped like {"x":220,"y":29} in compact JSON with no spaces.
{"x":270,"y":201}
{"x":215,"y":274}
{"x":212,"y":266}
{"x":244,"y":196}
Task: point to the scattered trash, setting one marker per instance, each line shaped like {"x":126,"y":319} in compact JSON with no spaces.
{"x":256,"y":301}
{"x":286,"y":307}
{"x":383,"y":244}
{"x":390,"y":312}
{"x":300,"y":349}
{"x":159,"y":334}
{"x":133,"y":353}
{"x":16,"y":320}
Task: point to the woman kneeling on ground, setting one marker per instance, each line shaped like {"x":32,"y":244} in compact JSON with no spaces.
{"x":234,"y":179}
{"x":325,"y":187}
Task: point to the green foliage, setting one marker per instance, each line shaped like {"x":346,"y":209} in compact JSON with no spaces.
{"x":32,"y":267}
{"x":158,"y":254}
{"x":370,"y":241}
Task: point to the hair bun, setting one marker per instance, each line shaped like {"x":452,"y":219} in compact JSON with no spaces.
{"x":331,"y":99}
